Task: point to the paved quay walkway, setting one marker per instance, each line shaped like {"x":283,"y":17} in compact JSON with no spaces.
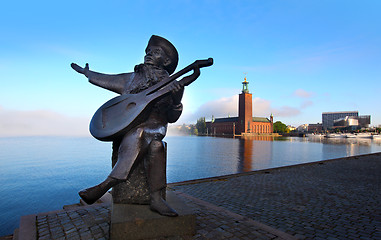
{"x":93,"y":222}
{"x":333,"y":199}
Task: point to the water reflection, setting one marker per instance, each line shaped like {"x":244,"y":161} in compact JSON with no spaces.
{"x":245,"y":155}
{"x":349,"y":146}
{"x":350,"y":141}
{"x":263,"y":152}
{"x":254,"y":153}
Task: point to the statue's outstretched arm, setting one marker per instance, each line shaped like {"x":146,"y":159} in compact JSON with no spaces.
{"x":112,"y":82}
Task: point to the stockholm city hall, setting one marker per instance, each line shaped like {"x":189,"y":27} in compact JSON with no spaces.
{"x":245,"y":124}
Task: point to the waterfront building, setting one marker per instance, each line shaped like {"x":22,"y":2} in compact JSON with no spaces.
{"x":315,"y":128}
{"x":291,"y":128}
{"x":329,"y":117}
{"x":245,"y":123}
{"x":302,"y":128}
{"x":352,"y":123}
{"x":345,"y":119}
{"x":309,"y":128}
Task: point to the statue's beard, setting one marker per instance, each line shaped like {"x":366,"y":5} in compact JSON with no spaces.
{"x":150,"y":75}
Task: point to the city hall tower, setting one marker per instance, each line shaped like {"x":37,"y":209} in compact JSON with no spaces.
{"x":245,"y":108}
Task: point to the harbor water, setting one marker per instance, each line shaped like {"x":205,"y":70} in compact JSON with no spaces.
{"x":40,"y":174}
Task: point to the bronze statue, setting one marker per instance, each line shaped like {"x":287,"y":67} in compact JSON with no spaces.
{"x":136,"y":121}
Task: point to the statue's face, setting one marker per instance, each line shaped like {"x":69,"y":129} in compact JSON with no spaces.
{"x":156,"y":56}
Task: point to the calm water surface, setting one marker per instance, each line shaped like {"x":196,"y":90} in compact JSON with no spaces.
{"x":40,"y":174}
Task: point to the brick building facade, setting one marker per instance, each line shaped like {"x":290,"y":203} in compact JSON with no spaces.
{"x":245,"y":123}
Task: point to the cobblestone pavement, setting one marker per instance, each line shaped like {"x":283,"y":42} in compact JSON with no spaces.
{"x":212,"y":223}
{"x":338,"y":199}
{"x":82,"y":223}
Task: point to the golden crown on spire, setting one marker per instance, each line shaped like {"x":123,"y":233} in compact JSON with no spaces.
{"x":245,"y":89}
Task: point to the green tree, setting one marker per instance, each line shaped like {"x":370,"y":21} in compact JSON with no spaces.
{"x":194,"y":130}
{"x":280,"y":127}
{"x":201,"y":125}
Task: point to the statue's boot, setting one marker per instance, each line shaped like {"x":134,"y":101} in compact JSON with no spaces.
{"x":157,"y":179}
{"x":91,"y":195}
{"x":158,"y":204}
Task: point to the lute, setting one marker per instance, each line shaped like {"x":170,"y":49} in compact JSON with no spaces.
{"x":120,"y":114}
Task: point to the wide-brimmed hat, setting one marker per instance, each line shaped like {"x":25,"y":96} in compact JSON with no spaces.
{"x":168,"y":48}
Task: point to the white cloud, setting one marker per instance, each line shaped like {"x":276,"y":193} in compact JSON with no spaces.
{"x":261,"y":107}
{"x":40,"y":123}
{"x":224,"y":107}
{"x":302,"y":93}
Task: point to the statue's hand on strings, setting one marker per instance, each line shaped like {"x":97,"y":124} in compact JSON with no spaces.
{"x":177,"y":91}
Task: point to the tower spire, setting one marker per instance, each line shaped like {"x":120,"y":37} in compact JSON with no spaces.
{"x":245,"y":88}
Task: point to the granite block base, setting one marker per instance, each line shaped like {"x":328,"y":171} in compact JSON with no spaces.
{"x":131,"y":221}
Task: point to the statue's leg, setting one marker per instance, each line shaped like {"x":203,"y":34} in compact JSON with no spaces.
{"x":129,"y":149}
{"x":156,"y":176}
{"x":92,"y":194}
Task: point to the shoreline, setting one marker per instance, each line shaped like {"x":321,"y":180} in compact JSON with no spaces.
{"x":267,"y":170}
{"x":179,"y":187}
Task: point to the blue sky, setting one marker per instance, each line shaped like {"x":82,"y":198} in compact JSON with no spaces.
{"x":302,"y":58}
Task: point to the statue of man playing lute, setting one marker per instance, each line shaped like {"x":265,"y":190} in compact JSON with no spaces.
{"x":137,"y":120}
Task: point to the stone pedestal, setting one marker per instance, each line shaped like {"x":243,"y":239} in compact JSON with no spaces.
{"x":135,"y":190}
{"x":132,"y":221}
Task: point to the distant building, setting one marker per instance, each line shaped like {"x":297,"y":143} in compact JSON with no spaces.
{"x":315,"y":128}
{"x":291,"y":128}
{"x":328,"y":118}
{"x":352,"y":122}
{"x":302,"y":128}
{"x":364,"y":121}
{"x":350,"y":119}
{"x":245,"y":123}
